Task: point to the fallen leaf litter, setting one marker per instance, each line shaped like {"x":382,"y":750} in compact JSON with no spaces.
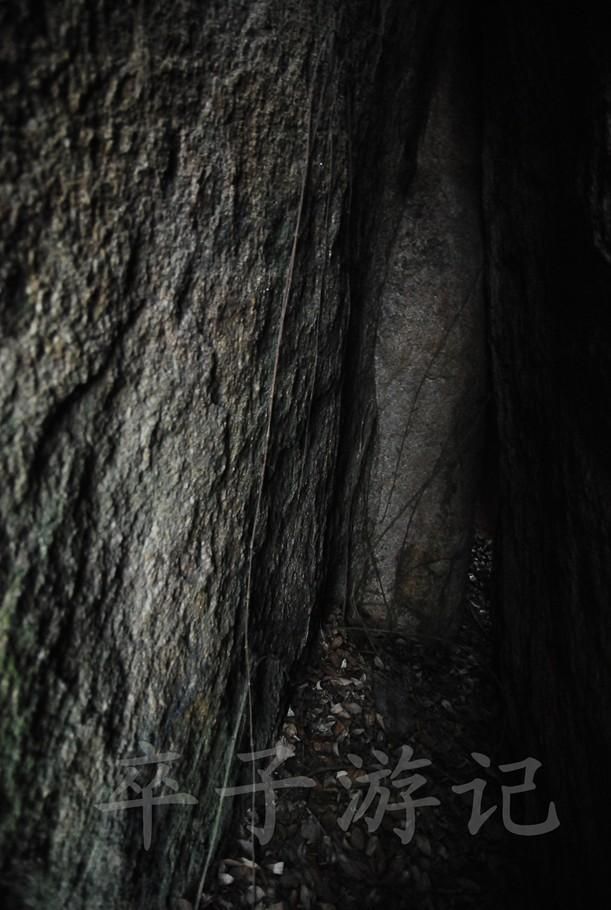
{"x":353,"y":710}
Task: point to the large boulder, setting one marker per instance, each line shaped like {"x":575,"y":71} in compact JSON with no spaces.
{"x":430,"y":365}
{"x":173,"y":322}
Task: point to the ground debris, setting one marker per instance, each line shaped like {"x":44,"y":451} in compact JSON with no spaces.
{"x":405,"y":720}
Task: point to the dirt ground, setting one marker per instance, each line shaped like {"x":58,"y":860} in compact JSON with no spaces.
{"x":379,"y":730}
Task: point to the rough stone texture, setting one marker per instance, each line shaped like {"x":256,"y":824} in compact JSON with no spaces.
{"x":392,"y":186}
{"x":430,"y":365}
{"x":184,"y":189}
{"x":547,"y":204}
{"x":154,"y":182}
{"x":200,"y":204}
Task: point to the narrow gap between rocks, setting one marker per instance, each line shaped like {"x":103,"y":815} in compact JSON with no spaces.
{"x":365,"y":799}
{"x":266,"y":267}
{"x":369,"y":704}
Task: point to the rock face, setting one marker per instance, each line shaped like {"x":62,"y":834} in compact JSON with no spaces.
{"x":547,"y":213}
{"x":429,"y":363}
{"x":173,"y":331}
{"x":188,"y":191}
{"x":241,"y":368}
